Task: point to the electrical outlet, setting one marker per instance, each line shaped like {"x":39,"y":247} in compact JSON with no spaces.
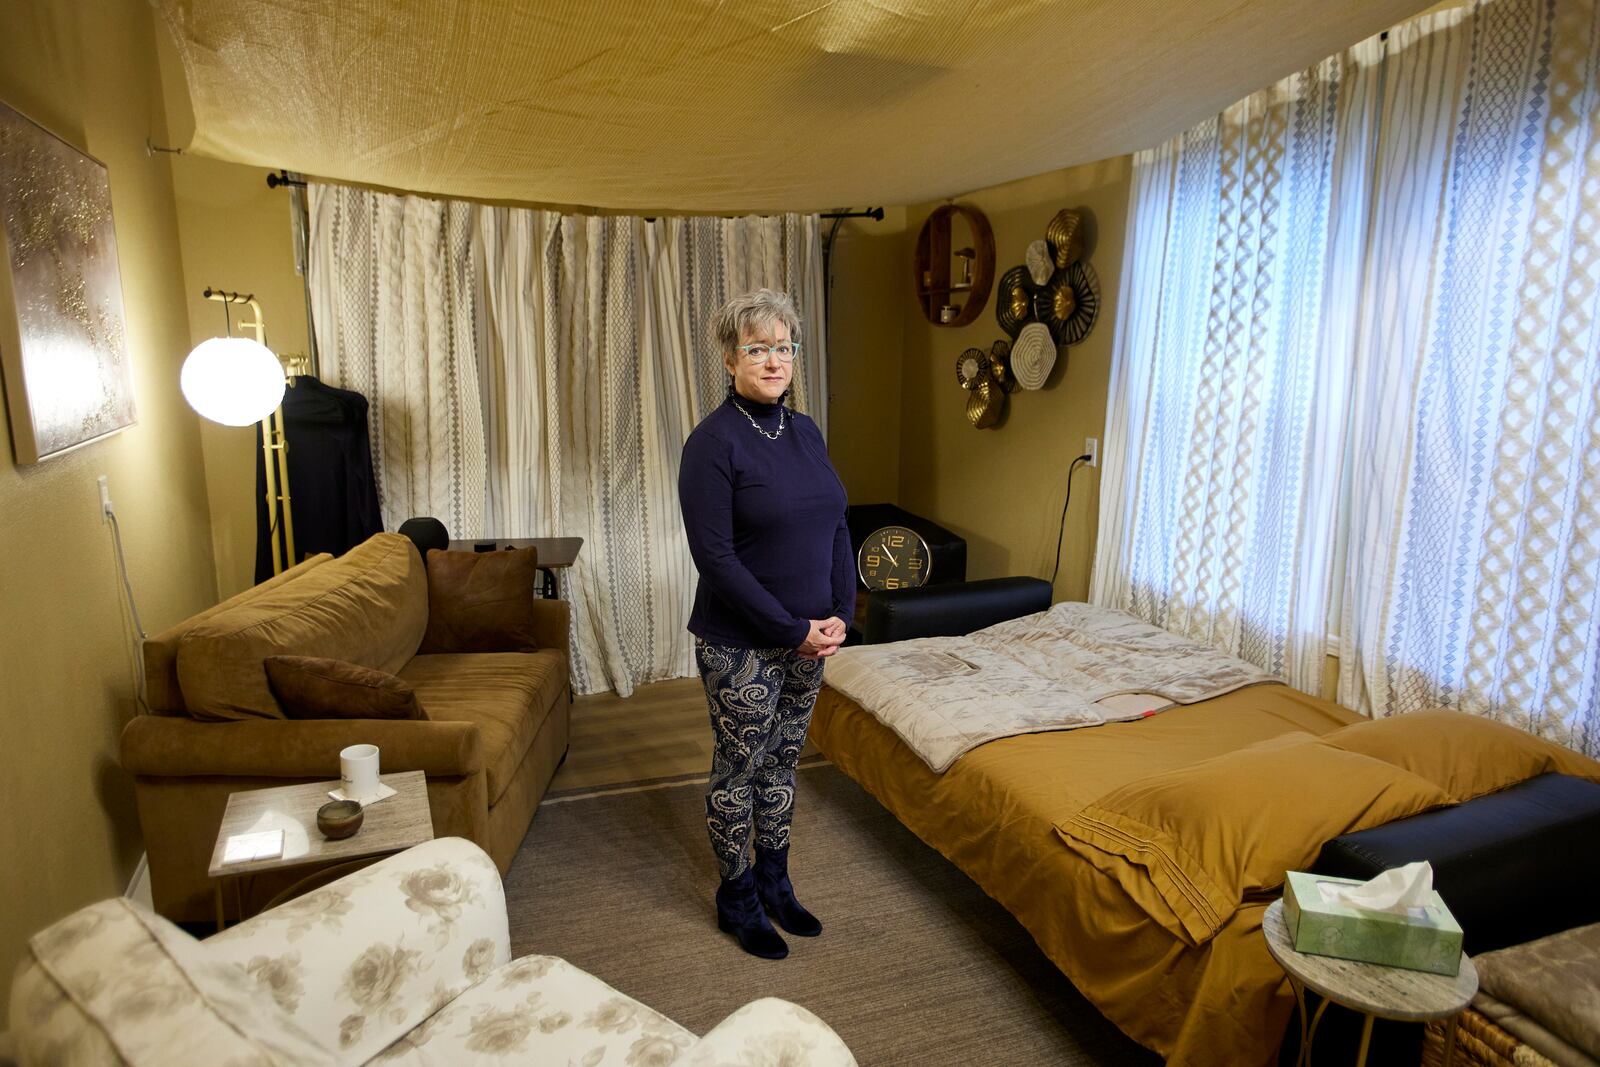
{"x":105,"y":498}
{"x":1091,"y":448}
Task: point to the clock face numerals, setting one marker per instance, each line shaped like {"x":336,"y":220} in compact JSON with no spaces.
{"x":892,"y":557}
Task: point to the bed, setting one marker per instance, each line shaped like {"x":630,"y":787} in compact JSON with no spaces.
{"x":1181,"y":970}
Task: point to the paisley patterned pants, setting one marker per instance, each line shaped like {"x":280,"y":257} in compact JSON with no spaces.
{"x":761,"y":701}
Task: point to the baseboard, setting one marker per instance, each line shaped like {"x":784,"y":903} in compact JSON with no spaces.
{"x":139,"y":885}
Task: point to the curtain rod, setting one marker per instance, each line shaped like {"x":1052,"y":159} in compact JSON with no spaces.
{"x":282,"y":178}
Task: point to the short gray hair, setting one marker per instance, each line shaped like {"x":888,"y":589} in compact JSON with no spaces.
{"x":744,"y":314}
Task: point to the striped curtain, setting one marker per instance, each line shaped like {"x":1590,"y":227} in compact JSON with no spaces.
{"x":540,"y":373}
{"x":598,"y":342}
{"x":394,"y":302}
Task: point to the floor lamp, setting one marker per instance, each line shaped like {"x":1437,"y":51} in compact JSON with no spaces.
{"x":236,"y":381}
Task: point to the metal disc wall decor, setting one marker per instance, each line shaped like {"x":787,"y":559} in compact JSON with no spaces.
{"x":972,"y":366}
{"x":1085,"y":286}
{"x":1040,"y":265}
{"x":1013,"y":303}
{"x":1065,"y":234}
{"x":1055,"y":303}
{"x":1000,"y":365}
{"x":1033,"y":356}
{"x":984,"y":403}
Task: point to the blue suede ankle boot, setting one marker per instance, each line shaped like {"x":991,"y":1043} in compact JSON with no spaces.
{"x":739,"y":913}
{"x":777,"y":894}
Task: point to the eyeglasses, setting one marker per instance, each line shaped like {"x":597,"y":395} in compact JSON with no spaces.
{"x":785,"y":351}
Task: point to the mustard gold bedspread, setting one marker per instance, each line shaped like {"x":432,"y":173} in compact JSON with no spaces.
{"x":993,"y":814}
{"x":1141,"y":855}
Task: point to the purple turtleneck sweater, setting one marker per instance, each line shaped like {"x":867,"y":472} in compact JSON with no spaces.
{"x":765,"y":521}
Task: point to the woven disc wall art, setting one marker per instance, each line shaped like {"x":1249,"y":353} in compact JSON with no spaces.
{"x":1013,"y":305}
{"x":1033,"y":356}
{"x":1085,"y":286}
{"x":972,"y":366}
{"x":1065,"y":234}
{"x":1039,"y":263}
{"x":984,"y":404}
{"x":1000,"y":365}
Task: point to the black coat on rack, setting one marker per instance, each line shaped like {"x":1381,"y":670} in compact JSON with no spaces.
{"x":332,"y":493}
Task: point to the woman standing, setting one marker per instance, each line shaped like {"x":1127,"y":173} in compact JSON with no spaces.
{"x":764,"y":513}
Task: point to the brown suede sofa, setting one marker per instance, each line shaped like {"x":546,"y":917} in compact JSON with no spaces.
{"x":496,"y":727}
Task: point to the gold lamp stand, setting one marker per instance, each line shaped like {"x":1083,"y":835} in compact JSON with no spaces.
{"x":275,"y":451}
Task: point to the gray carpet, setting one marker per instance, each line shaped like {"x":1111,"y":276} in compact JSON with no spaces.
{"x":915,"y":965}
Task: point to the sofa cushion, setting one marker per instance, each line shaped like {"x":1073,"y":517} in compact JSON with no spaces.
{"x":311,"y":687}
{"x":116,"y":974}
{"x":481,"y":601}
{"x":508,"y":695}
{"x":369,"y":607}
{"x":162,"y":691}
{"x":541,"y":1009}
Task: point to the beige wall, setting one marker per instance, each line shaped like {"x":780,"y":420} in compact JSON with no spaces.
{"x":69,"y":834}
{"x":865,"y":339}
{"x":1002,"y":488}
{"x":234,"y":233}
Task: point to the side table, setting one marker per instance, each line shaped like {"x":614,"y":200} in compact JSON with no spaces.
{"x":390,"y":825}
{"x":1374,"y":990}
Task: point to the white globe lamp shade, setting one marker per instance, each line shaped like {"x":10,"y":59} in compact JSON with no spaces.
{"x":232,"y":380}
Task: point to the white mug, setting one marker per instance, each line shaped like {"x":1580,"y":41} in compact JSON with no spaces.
{"x":358,"y":772}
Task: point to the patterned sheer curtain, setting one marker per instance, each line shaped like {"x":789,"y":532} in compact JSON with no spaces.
{"x":598,"y":336}
{"x":1217,"y":508}
{"x":1438,"y":292}
{"x":583,"y":364}
{"x":394,"y":303}
{"x":1475,"y":544}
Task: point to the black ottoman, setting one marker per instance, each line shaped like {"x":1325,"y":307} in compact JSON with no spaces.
{"x":1511,"y":866}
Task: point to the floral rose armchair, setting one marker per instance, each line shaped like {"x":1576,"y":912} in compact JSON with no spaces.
{"x":405,"y":962}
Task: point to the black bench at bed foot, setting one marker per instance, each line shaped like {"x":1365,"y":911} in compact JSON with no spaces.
{"x":1511,"y":866}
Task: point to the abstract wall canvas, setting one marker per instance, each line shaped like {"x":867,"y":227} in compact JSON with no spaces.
{"x":63,"y":342}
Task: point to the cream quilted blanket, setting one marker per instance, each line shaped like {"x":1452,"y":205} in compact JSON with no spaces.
{"x":945,"y":696}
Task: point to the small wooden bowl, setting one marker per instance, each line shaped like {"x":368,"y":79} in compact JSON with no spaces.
{"x":338,"y":819}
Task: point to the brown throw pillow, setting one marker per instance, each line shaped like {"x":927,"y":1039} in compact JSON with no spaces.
{"x":481,"y":601}
{"x":310,"y":687}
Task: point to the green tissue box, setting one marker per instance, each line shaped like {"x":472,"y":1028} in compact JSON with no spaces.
{"x":1423,"y":939}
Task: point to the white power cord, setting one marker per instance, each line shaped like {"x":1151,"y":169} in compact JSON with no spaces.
{"x":127,"y":588}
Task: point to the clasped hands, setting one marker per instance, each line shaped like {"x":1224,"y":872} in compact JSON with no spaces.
{"x":824,"y":639}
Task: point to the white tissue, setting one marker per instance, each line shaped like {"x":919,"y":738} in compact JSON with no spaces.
{"x":1394,"y":891}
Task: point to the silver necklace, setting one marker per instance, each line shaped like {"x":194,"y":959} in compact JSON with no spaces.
{"x":757,"y":425}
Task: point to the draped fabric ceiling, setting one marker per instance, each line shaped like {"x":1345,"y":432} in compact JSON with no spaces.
{"x":726,"y":105}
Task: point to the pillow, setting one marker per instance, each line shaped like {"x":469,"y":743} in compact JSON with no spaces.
{"x":1190,"y":844}
{"x":310,"y":687}
{"x":1465,"y":755}
{"x":481,"y":601}
{"x":369,"y":607}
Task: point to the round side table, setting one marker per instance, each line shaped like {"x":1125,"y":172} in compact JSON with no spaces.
{"x":1374,"y":990}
